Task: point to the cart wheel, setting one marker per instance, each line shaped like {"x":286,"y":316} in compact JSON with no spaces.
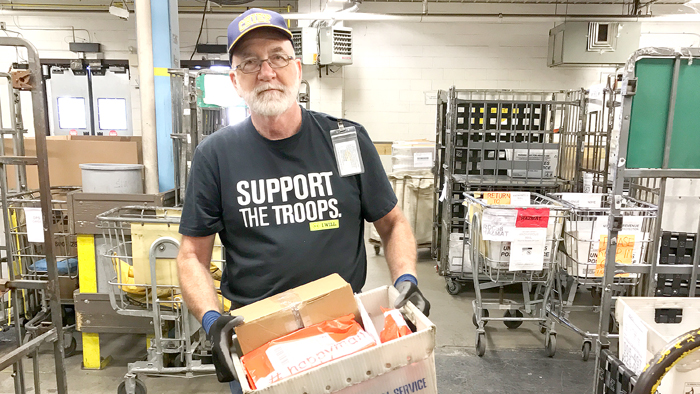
{"x":480,"y":344}
{"x":484,"y":313}
{"x":513,"y":324}
{"x":377,"y":248}
{"x":70,"y":349}
{"x":550,"y":345}
{"x":586,"y":350}
{"x":453,"y":287}
{"x":140,"y":387}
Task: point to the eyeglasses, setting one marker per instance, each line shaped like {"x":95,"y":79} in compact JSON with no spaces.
{"x":250,"y":66}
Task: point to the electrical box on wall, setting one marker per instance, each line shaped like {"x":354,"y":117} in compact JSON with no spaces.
{"x":335,"y":46}
{"x":305,"y":44}
{"x":592,"y":43}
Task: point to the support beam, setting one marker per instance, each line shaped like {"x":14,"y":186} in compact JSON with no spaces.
{"x":147,"y":92}
{"x":166,"y":54}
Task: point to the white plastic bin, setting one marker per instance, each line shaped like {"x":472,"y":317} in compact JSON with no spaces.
{"x":459,"y":255}
{"x":641,"y":338}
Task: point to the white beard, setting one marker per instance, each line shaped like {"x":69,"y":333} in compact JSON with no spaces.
{"x":271,"y":102}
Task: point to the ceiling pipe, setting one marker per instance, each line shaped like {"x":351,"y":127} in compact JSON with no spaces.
{"x":443,"y":18}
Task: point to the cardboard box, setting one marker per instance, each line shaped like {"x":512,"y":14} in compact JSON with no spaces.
{"x":67,"y":152}
{"x":403,"y":365}
{"x":324,"y":299}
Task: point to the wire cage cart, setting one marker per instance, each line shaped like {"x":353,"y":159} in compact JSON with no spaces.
{"x":597,"y":149}
{"x":657,"y":141}
{"x":513,"y":240}
{"x":497,"y":140}
{"x":141,"y":259}
{"x":199,"y":109}
{"x":581,"y":261}
{"x":30,"y":79}
{"x":29,"y":258}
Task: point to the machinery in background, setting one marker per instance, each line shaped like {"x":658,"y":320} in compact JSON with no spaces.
{"x":88,"y":97}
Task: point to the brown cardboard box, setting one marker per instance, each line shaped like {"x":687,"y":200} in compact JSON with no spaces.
{"x":67,"y":152}
{"x":324,"y":299}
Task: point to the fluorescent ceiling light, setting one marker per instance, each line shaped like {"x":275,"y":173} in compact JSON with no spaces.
{"x":119,"y":12}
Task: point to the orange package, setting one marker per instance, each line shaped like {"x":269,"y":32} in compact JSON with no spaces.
{"x":304,"y":349}
{"x":394,"y":325}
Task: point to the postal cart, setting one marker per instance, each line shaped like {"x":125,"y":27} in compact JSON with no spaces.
{"x":514,"y":237}
{"x":582,"y":259}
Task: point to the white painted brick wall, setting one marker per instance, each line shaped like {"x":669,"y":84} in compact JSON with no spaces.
{"x":394,"y":63}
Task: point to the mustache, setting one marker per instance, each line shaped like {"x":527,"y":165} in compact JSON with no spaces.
{"x":268,"y":86}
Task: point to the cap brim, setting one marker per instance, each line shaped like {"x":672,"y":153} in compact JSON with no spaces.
{"x":233,"y":44}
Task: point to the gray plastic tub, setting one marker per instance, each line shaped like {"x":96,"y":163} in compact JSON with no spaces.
{"x":112,"y":178}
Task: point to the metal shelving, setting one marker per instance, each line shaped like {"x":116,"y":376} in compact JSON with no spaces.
{"x":15,"y":282}
{"x":498,"y":140}
{"x":656,"y":142}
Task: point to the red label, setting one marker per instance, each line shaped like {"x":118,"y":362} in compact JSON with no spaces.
{"x":532,"y":218}
{"x":112,"y":132}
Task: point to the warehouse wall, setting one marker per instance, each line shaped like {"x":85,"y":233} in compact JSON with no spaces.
{"x":50,"y":33}
{"x":396,"y":63}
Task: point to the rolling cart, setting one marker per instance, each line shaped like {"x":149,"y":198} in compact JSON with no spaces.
{"x":581,"y":260}
{"x":141,"y":259}
{"x":30,"y":260}
{"x":497,"y":140}
{"x":513,"y":240}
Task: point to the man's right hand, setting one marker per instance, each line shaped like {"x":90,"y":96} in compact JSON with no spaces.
{"x":221,"y":338}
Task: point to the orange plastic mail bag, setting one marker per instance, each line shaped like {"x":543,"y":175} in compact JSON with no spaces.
{"x":394,"y":325}
{"x":304,"y":349}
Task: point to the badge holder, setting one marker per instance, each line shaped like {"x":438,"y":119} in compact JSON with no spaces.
{"x":347,"y":150}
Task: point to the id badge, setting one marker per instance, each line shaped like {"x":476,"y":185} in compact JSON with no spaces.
{"x":347,"y":150}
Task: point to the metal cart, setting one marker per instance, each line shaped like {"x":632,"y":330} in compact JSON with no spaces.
{"x":31,"y":80}
{"x":658,"y":140}
{"x":514,"y":243}
{"x":179,"y":343}
{"x":581,"y":260}
{"x":29,"y":259}
{"x":497,"y":140}
{"x":195,"y":118}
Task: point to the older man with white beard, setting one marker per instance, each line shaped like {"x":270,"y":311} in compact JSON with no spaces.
{"x":287,"y":190}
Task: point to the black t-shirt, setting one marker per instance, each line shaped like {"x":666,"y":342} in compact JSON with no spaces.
{"x":283,"y":213}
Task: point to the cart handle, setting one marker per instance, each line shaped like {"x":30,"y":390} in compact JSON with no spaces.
{"x":650,"y":379}
{"x":110,"y":216}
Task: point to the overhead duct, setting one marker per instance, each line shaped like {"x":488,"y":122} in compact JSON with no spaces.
{"x":592,"y":43}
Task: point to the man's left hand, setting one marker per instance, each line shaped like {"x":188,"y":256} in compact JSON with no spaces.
{"x":408,"y":291}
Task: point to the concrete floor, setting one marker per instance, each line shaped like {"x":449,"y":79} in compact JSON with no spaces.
{"x":514,"y":359}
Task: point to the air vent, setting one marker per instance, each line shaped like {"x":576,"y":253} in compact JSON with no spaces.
{"x":342,"y":42}
{"x":296,"y":41}
{"x":305,"y":44}
{"x":335,"y":46}
{"x":602,"y":37}
{"x":592,"y":43}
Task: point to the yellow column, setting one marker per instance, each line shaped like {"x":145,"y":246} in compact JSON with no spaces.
{"x":87,"y":279}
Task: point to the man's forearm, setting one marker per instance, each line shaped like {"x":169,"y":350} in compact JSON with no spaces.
{"x":197,"y":287}
{"x":400,"y":249}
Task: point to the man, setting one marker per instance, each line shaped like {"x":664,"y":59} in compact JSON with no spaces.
{"x":287,"y":198}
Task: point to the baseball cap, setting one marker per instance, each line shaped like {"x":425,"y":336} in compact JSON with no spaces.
{"x":251,"y":20}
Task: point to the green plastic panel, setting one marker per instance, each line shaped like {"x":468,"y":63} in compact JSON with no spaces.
{"x":649,"y":116}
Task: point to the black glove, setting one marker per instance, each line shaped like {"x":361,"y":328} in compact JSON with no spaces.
{"x":221,"y":338}
{"x":408,"y":291}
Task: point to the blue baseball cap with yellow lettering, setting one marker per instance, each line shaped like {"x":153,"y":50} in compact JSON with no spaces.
{"x":252,"y":19}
